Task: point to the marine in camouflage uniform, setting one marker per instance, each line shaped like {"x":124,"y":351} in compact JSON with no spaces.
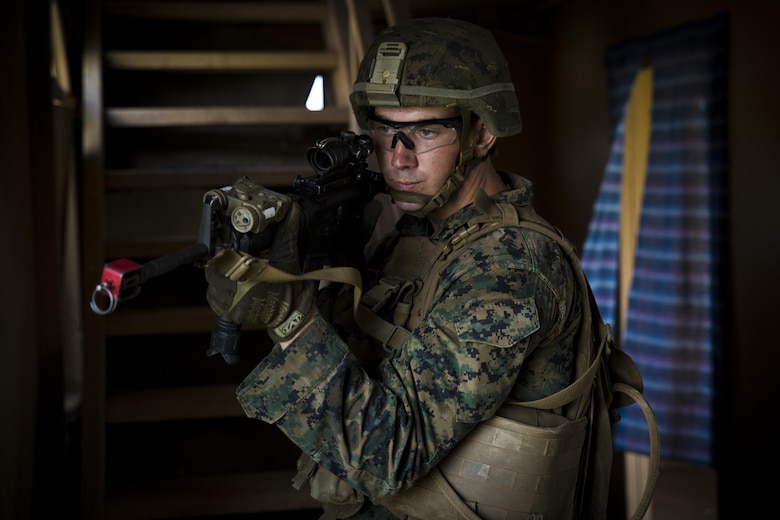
{"x":501,"y":322}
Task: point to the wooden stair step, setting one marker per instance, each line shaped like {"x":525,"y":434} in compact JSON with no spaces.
{"x":170,"y":320}
{"x":222,"y":61}
{"x":141,"y":249}
{"x":277,"y":176}
{"x":216,"y":116}
{"x":173,"y":404}
{"x":270,"y":12}
{"x":208,"y":496}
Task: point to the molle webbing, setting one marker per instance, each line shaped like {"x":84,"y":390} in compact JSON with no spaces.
{"x":405,"y":275}
{"x":504,"y":469}
{"x":422,"y":260}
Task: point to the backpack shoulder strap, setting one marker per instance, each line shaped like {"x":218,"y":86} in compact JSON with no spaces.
{"x":621,"y":380}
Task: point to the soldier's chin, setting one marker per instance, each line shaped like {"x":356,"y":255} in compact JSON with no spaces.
{"x":408,"y":207}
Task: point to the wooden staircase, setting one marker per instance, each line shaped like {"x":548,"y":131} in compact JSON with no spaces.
{"x":179,"y":98}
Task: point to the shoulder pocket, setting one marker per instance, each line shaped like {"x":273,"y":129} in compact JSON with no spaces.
{"x":501,"y":324}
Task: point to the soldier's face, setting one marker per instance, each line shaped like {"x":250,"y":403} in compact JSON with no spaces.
{"x":416,"y":158}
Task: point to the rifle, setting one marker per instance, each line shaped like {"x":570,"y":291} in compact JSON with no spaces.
{"x":245,"y":215}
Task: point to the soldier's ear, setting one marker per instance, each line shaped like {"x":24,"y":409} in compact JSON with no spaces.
{"x":483,"y":140}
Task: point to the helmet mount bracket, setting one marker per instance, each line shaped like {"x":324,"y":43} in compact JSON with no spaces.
{"x":383,"y":87}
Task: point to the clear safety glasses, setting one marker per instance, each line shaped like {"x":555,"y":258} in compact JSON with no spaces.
{"x":418,"y":136}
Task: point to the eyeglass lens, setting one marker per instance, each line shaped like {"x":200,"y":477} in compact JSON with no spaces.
{"x":420,"y":137}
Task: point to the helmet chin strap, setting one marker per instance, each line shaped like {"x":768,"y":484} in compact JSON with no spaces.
{"x":432,"y":202}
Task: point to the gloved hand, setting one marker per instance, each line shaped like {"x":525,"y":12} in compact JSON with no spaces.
{"x":239,"y":292}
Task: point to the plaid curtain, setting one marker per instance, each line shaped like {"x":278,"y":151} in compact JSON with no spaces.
{"x":676,"y":310}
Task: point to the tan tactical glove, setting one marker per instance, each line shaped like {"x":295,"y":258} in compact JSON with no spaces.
{"x":241,"y":287}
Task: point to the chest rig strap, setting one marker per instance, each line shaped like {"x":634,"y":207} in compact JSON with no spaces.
{"x":493,"y":215}
{"x":414,"y":270}
{"x":396,"y":292}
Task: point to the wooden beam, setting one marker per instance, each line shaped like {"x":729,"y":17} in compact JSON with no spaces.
{"x":173,"y":404}
{"x":209,"y":496}
{"x":241,"y":12}
{"x":216,"y":116}
{"x":271,"y":176}
{"x":314,"y":61}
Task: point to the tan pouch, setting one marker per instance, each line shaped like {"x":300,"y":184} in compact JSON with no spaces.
{"x":504,"y":469}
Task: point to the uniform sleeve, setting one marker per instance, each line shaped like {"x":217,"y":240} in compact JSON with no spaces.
{"x":456,"y":368}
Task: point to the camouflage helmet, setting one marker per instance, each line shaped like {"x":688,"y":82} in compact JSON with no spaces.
{"x":438,"y":62}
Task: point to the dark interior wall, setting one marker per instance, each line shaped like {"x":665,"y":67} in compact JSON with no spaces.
{"x":527,"y":152}
{"x":30,"y":349}
{"x":580,"y":140}
{"x":17,"y":313}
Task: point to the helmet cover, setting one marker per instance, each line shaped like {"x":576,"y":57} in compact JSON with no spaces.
{"x":438,"y":62}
